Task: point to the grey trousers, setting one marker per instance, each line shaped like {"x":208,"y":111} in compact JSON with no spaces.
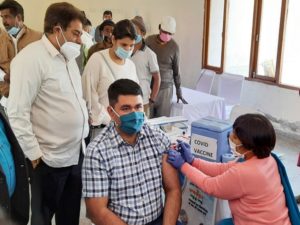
{"x":162,"y":105}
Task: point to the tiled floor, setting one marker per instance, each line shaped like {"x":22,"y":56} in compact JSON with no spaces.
{"x":289,"y":148}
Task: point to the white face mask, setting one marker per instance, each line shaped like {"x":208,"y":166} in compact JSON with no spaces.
{"x":69,"y":49}
{"x":233,"y":147}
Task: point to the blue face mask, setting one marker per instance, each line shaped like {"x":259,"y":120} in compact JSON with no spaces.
{"x":122,"y":53}
{"x":13,"y":31}
{"x":138,"y":39}
{"x":131,"y":123}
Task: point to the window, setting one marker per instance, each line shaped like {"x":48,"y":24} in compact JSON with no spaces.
{"x":238,"y":37}
{"x":215,"y":33}
{"x":267,"y":38}
{"x":214,"y":44}
{"x":290,"y":74}
{"x":254,"y":38}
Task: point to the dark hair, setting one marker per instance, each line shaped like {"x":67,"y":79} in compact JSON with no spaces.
{"x":14,"y":8}
{"x":107,"y":12}
{"x":87,"y":22}
{"x":256,"y":134}
{"x":61,"y":14}
{"x":124,"y":28}
{"x":122,"y":87}
{"x":106,"y":23}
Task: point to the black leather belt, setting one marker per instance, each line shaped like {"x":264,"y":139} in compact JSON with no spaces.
{"x":98,"y":126}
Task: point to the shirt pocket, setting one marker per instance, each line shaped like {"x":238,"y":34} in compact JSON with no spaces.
{"x":59,"y":82}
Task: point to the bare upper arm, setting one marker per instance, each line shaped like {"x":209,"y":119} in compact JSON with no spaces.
{"x":169,"y":176}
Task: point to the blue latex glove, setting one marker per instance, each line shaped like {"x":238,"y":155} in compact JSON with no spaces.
{"x":185,"y":150}
{"x":175,"y":159}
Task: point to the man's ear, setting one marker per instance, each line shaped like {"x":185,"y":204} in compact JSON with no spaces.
{"x":112,"y":114}
{"x":56,"y":29}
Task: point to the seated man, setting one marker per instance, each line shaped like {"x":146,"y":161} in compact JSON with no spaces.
{"x":124,"y":169}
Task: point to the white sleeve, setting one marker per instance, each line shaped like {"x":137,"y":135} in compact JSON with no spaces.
{"x":153,"y":64}
{"x":25,"y":84}
{"x":90,"y":86}
{"x":2,"y":74}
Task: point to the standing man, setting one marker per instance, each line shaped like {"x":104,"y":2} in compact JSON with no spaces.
{"x":50,"y":117}
{"x":12,"y":15}
{"x":146,"y":66}
{"x":125,"y":167}
{"x":107,"y":15}
{"x":7,"y":52}
{"x":107,"y":28}
{"x":167,"y":52}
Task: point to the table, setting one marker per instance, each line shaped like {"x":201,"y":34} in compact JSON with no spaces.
{"x":199,"y":105}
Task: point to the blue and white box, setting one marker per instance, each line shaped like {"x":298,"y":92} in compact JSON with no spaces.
{"x":209,"y":139}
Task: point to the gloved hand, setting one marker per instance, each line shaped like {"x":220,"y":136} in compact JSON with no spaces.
{"x":179,"y":96}
{"x":185,"y":151}
{"x":175,"y":159}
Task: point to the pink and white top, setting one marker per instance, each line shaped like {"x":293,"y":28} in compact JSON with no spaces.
{"x":253,"y":188}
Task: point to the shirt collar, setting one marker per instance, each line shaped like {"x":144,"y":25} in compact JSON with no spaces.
{"x":22,"y":32}
{"x":49,"y":46}
{"x":120,"y":141}
{"x":143,"y":45}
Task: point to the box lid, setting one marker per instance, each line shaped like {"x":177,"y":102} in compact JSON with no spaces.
{"x":212,"y":124}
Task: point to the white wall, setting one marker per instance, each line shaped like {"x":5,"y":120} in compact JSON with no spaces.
{"x":279,"y":102}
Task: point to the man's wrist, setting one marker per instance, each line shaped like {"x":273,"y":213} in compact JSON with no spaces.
{"x":35,"y":162}
{"x":151,"y":100}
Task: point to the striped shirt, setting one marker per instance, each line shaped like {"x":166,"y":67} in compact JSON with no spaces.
{"x":130,"y":176}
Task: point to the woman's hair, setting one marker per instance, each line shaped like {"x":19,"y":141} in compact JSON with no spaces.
{"x":256,"y":134}
{"x":123,"y":29}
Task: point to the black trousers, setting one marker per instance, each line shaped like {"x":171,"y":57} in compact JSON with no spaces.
{"x":55,"y":191}
{"x":158,"y":221}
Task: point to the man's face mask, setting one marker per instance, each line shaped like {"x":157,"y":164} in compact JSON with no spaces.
{"x":165,"y":37}
{"x":69,"y":49}
{"x":14,"y":30}
{"x":131,"y":123}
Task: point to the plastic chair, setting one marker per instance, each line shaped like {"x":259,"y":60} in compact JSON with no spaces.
{"x":205,"y":81}
{"x":230,"y":88}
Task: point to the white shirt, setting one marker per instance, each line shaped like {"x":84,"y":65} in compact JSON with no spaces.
{"x":45,"y":105}
{"x":96,"y":79}
{"x":146,"y":63}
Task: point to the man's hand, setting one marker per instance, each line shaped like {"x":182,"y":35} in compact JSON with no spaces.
{"x":179,"y":96}
{"x":35,"y":163}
